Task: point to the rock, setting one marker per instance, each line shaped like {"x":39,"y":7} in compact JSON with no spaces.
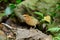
{"x":30,"y":34}
{"x":47,"y":38}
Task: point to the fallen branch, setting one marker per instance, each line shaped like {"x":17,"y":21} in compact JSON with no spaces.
{"x":7,"y":25}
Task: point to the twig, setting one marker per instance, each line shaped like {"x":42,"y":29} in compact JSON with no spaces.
{"x":7,"y":25}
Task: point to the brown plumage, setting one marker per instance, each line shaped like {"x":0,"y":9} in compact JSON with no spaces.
{"x":30,"y":20}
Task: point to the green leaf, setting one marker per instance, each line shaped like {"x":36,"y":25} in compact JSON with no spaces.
{"x":38,"y":13}
{"x":5,"y":0}
{"x":0,"y":0}
{"x":18,"y":1}
{"x":58,"y":7}
{"x":12,"y":6}
{"x":54,"y":29}
{"x":52,"y":14}
{"x":2,"y":14}
{"x":56,"y":36}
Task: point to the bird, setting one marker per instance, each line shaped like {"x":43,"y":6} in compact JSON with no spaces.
{"x":30,"y":20}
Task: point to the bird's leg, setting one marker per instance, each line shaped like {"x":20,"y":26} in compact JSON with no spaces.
{"x":34,"y":26}
{"x":31,"y":28}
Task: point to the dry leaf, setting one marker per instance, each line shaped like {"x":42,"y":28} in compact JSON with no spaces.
{"x":1,"y":26}
{"x":2,"y":35}
{"x":47,"y":18}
